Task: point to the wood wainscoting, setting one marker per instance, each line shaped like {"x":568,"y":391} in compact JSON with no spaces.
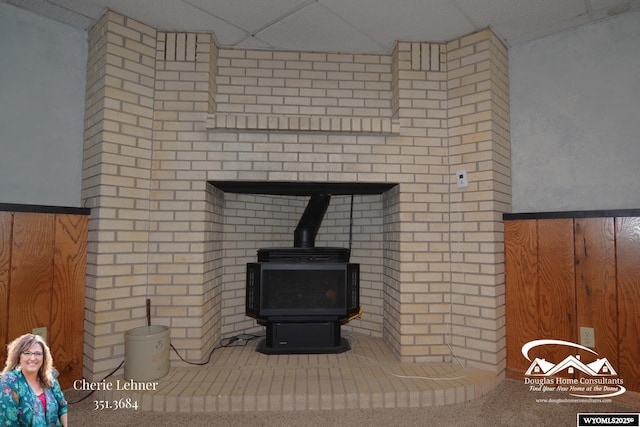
{"x":43,"y":256}
{"x":570,"y":270}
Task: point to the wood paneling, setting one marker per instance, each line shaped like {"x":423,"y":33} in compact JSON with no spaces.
{"x":6,"y":220}
{"x":521,"y":297}
{"x":540,"y":288}
{"x":596,"y":283}
{"x":628,"y":271}
{"x":31,"y":276}
{"x":70,"y":261}
{"x":584,"y":271}
{"x":556,"y":285}
{"x":42,"y":283}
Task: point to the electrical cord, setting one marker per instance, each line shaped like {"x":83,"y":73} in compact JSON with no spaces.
{"x":93,"y":391}
{"x":230,"y":343}
{"x":416,"y":377}
{"x":241,"y":337}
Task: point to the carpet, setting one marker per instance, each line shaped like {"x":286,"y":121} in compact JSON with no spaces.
{"x":510,"y":404}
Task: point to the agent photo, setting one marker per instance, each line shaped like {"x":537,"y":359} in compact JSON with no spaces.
{"x":29,"y":393}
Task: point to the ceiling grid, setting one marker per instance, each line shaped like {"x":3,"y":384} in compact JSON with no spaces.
{"x":340,"y":26}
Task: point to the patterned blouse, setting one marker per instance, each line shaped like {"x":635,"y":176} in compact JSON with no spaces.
{"x":19,"y":405}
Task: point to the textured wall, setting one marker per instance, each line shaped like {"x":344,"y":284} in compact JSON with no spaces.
{"x":575,"y":118}
{"x":41,"y":109}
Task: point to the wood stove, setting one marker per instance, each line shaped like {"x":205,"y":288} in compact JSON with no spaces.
{"x":305,"y":293}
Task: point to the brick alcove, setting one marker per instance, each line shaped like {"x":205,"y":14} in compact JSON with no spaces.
{"x":170,"y":113}
{"x":259,"y":214}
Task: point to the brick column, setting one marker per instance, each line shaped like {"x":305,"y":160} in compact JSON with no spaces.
{"x":187,"y":213}
{"x":417,"y":298}
{"x":116,"y":184}
{"x":479,"y":142}
{"x":445,"y":271}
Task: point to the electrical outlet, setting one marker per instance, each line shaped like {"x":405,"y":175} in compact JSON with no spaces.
{"x":42,"y":331}
{"x":587,"y":337}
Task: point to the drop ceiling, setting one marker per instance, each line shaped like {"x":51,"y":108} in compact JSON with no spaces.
{"x":349,"y":26}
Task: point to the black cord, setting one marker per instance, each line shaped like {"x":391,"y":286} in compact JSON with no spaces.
{"x":351,"y":224}
{"x":228,"y":344}
{"x":93,"y":391}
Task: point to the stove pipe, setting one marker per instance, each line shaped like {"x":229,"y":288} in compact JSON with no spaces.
{"x":307,"y":229}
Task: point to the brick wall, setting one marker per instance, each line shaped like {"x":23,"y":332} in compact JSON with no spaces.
{"x":478,"y":142}
{"x":116,"y":182}
{"x":169,"y":112}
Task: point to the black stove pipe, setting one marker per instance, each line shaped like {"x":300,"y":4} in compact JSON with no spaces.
{"x":305,"y":234}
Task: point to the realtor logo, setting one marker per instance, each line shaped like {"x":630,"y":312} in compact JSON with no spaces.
{"x":599,"y":380}
{"x":571,"y":364}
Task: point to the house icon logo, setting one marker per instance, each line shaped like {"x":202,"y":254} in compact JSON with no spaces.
{"x":571,"y":364}
{"x":598,"y":379}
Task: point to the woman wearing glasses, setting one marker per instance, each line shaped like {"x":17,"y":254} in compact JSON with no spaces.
{"x":29,"y":394}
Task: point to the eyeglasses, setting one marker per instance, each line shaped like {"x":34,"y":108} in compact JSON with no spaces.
{"x":37,"y":354}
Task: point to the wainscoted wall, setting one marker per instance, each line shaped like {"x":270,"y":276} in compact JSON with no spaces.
{"x":569,"y":270}
{"x":43,"y":252}
{"x":170,"y":113}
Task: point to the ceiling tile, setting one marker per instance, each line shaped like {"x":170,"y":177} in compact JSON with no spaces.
{"x":516,"y":21}
{"x":88,"y":8}
{"x":354,"y":26}
{"x":250,"y":15}
{"x":251,"y":43}
{"x":605,"y":8}
{"x":315,"y":28}
{"x":171,"y":15}
{"x":403,"y":20}
{"x":79,"y":17}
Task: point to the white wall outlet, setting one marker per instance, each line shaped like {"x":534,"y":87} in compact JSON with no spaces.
{"x":461,"y":178}
{"x":587,"y":337}
{"x":42,"y":331}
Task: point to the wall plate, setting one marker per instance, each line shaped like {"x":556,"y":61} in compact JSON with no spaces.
{"x":587,"y":337}
{"x":461,"y":178}
{"x":42,"y":331}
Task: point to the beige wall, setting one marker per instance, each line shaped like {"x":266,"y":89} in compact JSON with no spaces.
{"x":168,"y":112}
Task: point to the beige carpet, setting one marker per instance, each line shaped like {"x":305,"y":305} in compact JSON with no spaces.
{"x":511,"y":404}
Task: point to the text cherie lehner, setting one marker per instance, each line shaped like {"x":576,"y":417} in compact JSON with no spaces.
{"x":118,"y":385}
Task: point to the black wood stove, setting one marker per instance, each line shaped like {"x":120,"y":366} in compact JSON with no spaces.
{"x":303,"y":294}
